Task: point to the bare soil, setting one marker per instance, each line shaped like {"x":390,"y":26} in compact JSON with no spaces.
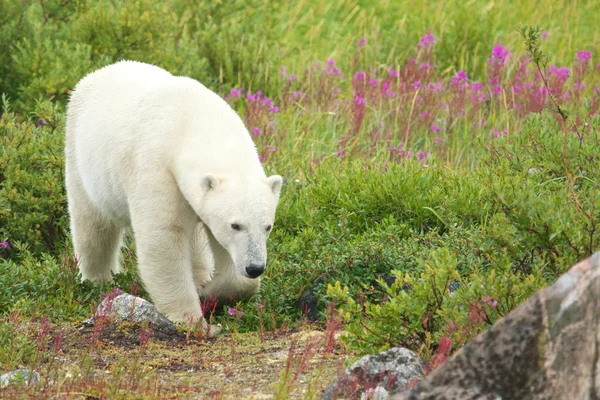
{"x":113,"y":362}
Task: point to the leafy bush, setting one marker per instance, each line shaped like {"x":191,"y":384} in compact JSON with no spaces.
{"x":32,"y":194}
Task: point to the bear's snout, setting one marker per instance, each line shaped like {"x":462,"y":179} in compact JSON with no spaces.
{"x":255,"y":270}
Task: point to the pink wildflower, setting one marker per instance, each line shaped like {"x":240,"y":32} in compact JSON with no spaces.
{"x":427,"y":40}
{"x":584,"y":56}
{"x":561,"y":73}
{"x":499,"y":55}
{"x":359,"y":100}
{"x":360,"y":76}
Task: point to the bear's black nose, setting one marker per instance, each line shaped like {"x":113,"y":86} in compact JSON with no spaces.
{"x":255,"y":270}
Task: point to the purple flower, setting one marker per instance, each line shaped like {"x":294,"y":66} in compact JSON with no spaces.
{"x":4,"y":244}
{"x":331,"y":62}
{"x":373,"y":82}
{"x":436,"y":87}
{"x":438,"y":140}
{"x":362,"y":42}
{"x":297,"y":94}
{"x":250,"y":96}
{"x":435,"y":128}
{"x":496,"y":133}
{"x":427,"y":40}
{"x":360,"y":75}
{"x":476,"y":86}
{"x":359,"y":100}
{"x":422,"y":155}
{"x":417,"y":85}
{"x":292,"y":78}
{"x":561,"y":73}
{"x":459,"y":79}
{"x":425,"y":66}
{"x":579,"y":86}
{"x":392,"y":72}
{"x":495,"y":303}
{"x":336,"y":90}
{"x":584,"y":56}
{"x":233,"y":311}
{"x":41,"y":123}
{"x":499,"y":55}
{"x":236,"y":92}
{"x":256,"y":131}
{"x":261,"y":159}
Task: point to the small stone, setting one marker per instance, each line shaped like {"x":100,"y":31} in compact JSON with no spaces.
{"x":453,"y":286}
{"x":126,"y":307}
{"x":19,"y":376}
{"x":390,"y":372}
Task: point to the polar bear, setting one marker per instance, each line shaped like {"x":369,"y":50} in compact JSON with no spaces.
{"x":169,"y":158}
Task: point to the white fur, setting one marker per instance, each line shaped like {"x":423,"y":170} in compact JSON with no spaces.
{"x":168,"y":157}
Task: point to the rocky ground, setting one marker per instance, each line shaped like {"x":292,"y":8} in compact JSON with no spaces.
{"x":114,"y":362}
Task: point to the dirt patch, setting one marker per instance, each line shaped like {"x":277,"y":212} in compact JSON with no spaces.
{"x":128,"y":361}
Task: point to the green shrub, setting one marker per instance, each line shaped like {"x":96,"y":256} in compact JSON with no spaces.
{"x":32,"y":194}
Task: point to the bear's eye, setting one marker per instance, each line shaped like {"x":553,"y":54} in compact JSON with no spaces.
{"x":236,"y":227}
{"x":268,"y":228}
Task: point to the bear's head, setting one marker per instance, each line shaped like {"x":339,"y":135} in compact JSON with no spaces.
{"x":240,"y":215}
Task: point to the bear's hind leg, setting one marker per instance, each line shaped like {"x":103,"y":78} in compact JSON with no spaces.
{"x":96,"y":239}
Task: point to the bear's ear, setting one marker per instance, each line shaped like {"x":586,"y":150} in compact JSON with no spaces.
{"x":209,"y":182}
{"x":275,"y":182}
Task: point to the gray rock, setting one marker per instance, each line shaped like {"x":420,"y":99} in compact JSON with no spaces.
{"x":547,"y":348}
{"x":19,"y":376}
{"x":309,"y":302}
{"x":378,"y":393}
{"x":125,"y":307}
{"x":376,"y":376}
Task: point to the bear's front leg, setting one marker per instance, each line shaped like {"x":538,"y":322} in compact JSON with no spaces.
{"x":163,"y":233}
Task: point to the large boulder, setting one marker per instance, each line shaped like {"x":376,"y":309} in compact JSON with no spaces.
{"x":547,"y":348}
{"x":374,"y":376}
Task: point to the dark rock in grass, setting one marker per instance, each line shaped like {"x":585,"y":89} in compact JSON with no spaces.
{"x":547,"y":348}
{"x":125,"y":307}
{"x":376,"y":376}
{"x":309,"y":302}
{"x":19,"y":377}
{"x":453,"y":286}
